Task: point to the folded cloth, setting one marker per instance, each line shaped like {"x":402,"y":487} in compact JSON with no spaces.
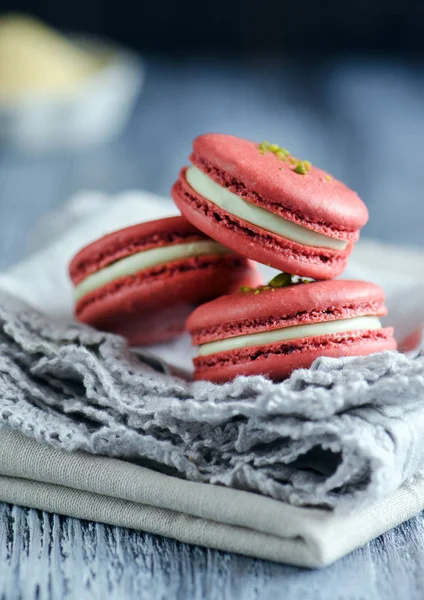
{"x":112,"y":491}
{"x":343,"y":435}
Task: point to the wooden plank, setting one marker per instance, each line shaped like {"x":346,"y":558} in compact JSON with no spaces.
{"x":48,"y":557}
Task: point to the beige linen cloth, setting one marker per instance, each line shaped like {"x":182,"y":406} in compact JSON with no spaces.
{"x":121,"y":493}
{"x":111,"y":491}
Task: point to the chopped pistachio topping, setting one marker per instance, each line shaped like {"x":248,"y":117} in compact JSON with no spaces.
{"x":328,"y":177}
{"x":279,"y":281}
{"x":263,"y":147}
{"x":300,"y":169}
{"x":300,"y":166}
{"x":285,"y":279}
{"x":280,"y":153}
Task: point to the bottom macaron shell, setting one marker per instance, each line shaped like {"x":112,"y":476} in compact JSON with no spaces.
{"x":278,"y":361}
{"x":257,"y":244}
{"x":152,"y":305}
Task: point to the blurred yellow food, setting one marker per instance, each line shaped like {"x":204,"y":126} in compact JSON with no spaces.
{"x":34,"y":59}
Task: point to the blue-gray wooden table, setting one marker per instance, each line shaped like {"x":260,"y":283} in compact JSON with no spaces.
{"x":361,"y":120}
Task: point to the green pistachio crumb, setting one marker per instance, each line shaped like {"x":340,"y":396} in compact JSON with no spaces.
{"x":284,"y":280}
{"x":282,"y":153}
{"x":263,"y":147}
{"x":257,"y":290}
{"x":300,"y":168}
{"x":328,"y":177}
{"x":281,"y":280}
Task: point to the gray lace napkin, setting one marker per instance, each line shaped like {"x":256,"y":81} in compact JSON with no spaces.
{"x":343,"y":432}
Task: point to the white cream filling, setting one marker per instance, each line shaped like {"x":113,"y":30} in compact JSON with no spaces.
{"x":233,"y":204}
{"x":290,"y":333}
{"x":145,"y":260}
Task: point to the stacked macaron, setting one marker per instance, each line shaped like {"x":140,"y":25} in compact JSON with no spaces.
{"x":275,"y":330}
{"x":259,"y":200}
{"x":271,"y":207}
{"x":241,"y":202}
{"x":143,"y":281}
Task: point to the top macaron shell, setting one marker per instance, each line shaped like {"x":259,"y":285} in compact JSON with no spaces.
{"x":294,"y":304}
{"x":130,"y":240}
{"x":317,"y":199}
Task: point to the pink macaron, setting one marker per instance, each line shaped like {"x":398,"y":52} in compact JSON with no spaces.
{"x":266,"y":204}
{"x":143,"y":281}
{"x":272,"y":331}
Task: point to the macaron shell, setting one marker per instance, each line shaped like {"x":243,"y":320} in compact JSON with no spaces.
{"x":278,"y":361}
{"x":322,"y":199}
{"x":294,"y":302}
{"x":130,"y":240}
{"x":303,"y":219}
{"x":152,"y":305}
{"x":255,"y":243}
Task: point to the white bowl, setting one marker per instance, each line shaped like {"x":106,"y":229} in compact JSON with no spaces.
{"x":95,"y":112}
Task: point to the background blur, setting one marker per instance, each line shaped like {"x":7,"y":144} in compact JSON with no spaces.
{"x":341,"y":84}
{"x":243,"y":28}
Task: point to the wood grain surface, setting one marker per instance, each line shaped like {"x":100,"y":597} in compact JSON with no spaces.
{"x":341,"y":117}
{"x":45,"y":556}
